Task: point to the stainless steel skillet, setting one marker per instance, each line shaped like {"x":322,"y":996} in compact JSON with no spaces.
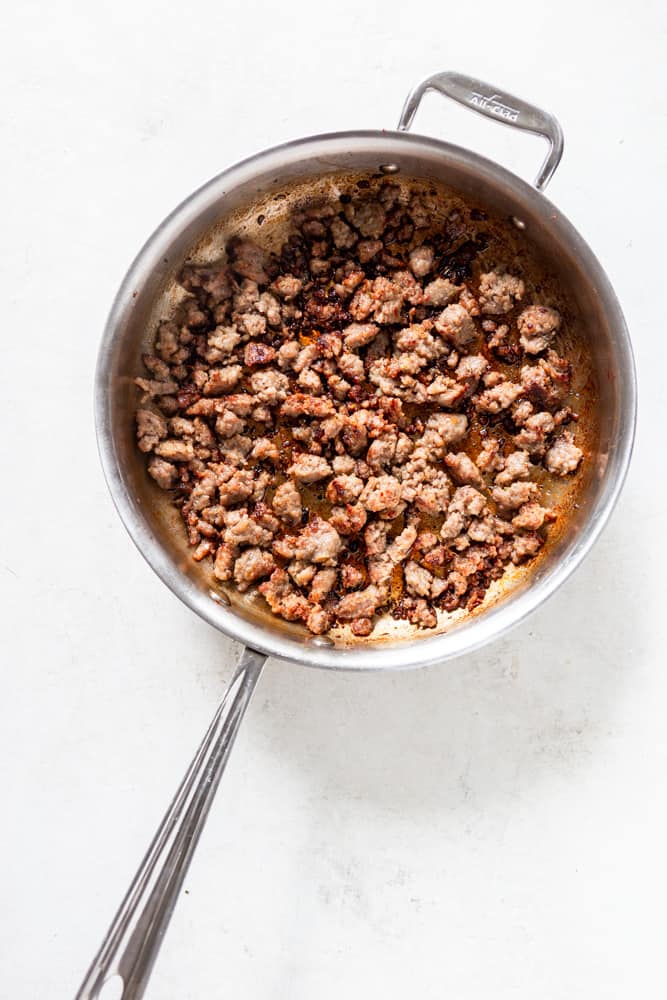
{"x":280,"y":173}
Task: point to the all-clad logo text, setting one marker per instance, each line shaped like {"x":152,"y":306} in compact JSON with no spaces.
{"x":495,"y":106}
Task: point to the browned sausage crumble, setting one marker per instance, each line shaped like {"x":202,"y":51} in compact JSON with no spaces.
{"x":361,"y":422}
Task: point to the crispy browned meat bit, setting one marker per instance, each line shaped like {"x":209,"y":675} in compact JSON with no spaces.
{"x":364,"y":421}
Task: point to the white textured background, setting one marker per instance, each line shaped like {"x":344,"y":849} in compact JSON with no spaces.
{"x":495,"y":828}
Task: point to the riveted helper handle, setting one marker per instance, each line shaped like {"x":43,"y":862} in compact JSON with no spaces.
{"x":134,"y":938}
{"x":492,"y":103}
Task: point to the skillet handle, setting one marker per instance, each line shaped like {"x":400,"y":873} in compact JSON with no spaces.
{"x":492,"y":103}
{"x":134,"y":938}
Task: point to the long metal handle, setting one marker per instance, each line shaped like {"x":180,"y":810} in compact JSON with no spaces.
{"x":134,"y":938}
{"x":501,"y":107}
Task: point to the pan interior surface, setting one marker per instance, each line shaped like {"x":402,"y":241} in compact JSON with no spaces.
{"x":258,"y":199}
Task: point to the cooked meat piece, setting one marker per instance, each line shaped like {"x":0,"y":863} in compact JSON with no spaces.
{"x":452,"y":526}
{"x":525,"y":546}
{"x":264,"y":450}
{"x":281,"y":598}
{"x":517,"y":466}
{"x":329,"y":345}
{"x":175,"y":450}
{"x":258,"y":354}
{"x":421,"y":261}
{"x":515,"y":495}
{"x":151,"y":428}
{"x":417,"y":339}
{"x":534,"y":433}
{"x":214,"y":279}
{"x":563,"y":457}
{"x":252,"y":323}
{"x":348,"y":520}
{"x":456,"y":325}
{"x":463,"y":470}
{"x":498,"y":293}
{"x":310,"y":381}
{"x":318,"y":542}
{"x":238,"y":487}
{"x":498,"y":340}
{"x":471,"y":368}
{"x":288,"y":353}
{"x":164,"y":473}
{"x":440,"y":292}
{"x":544,"y":384}
{"x":483,"y":531}
{"x":205,"y":490}
{"x":152,"y":388}
{"x":359,"y":334}
{"x":354,"y":434}
{"x":323,"y":583}
{"x":242,"y":529}
{"x":367,"y":249}
{"x":381,"y":493}
{"x":433,"y":494}
{"x":382,"y":450}
{"x":499,"y":397}
{"x":310,"y":468}
{"x":344,"y":465}
{"x":302,"y":573}
{"x":248,"y":260}
{"x":450,"y":427}
{"x":287,"y":503}
{"x":417,"y":579}
{"x":222,"y":380}
{"x":489,"y":458}
{"x":235,"y":449}
{"x":343,"y":236}
{"x":360,"y":604}
{"x":318,"y":621}
{"x":344,"y":489}
{"x":401,"y":545}
{"x":300,"y":405}
{"x":167,"y":343}
{"x":521,"y":410}
{"x":351,"y":366}
{"x":181,"y":427}
{"x":228,"y":424}
{"x":531,"y":517}
{"x":158,"y":369}
{"x":223,"y":565}
{"x":269,"y":386}
{"x":351,"y":576}
{"x":375,"y":537}
{"x":361,"y":627}
{"x":287,"y":286}
{"x":270,"y":307}
{"x":467,"y":501}
{"x":421,"y":613}
{"x":366,"y":216}
{"x":445,"y":391}
{"x":251,"y":565}
{"x":538,"y":326}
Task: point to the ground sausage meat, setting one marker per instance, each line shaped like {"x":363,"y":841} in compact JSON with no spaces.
{"x":346,"y":425}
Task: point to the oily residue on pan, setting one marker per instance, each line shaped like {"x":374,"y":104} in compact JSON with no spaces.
{"x":466,"y":243}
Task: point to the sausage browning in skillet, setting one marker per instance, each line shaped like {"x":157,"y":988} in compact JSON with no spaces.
{"x":362,"y":421}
